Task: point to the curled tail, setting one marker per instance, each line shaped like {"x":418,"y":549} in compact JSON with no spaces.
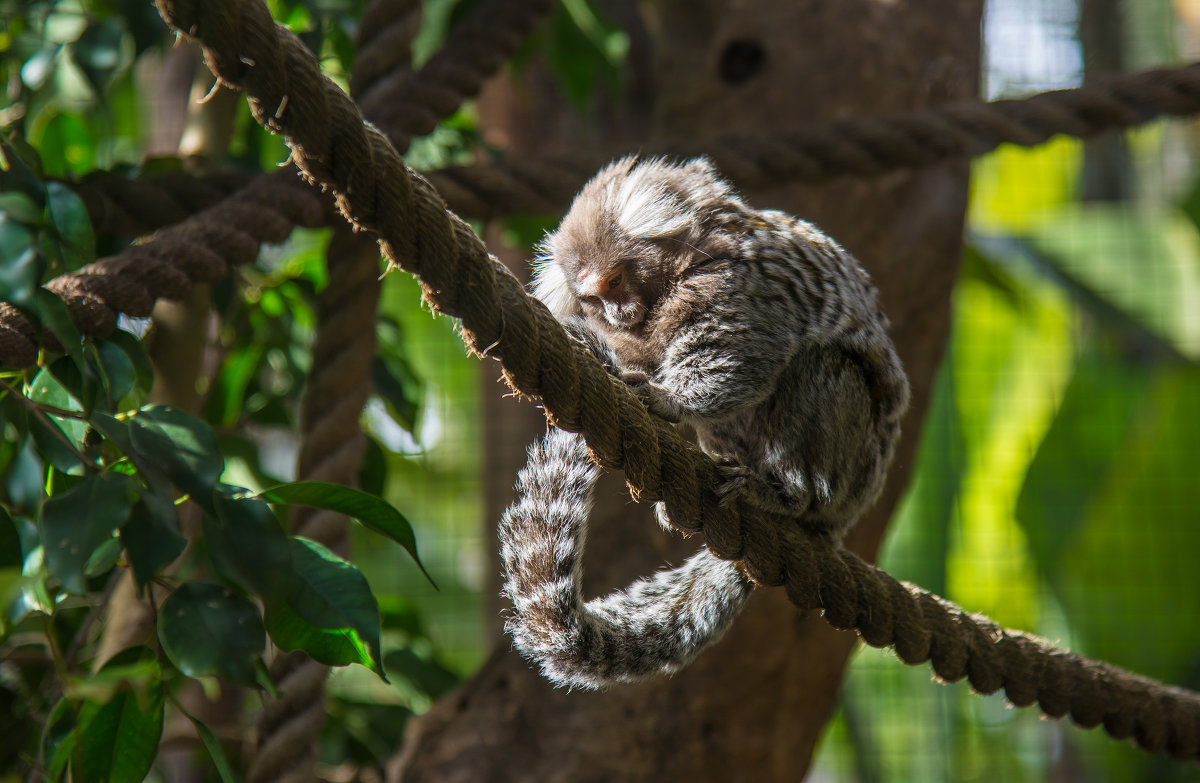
{"x":656,"y":625}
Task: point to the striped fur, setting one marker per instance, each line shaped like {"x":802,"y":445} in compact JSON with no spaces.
{"x":751,"y":326}
{"x":655,"y":626}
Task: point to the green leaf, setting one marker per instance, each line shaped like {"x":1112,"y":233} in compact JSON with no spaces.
{"x":56,"y":317}
{"x":59,"y":739}
{"x":372,"y":474}
{"x":248,"y":545}
{"x":375,"y":513}
{"x":401,"y":395}
{"x":582,"y":54}
{"x":208,"y":629}
{"x":38,"y":69}
{"x":104,"y":558}
{"x":1083,"y":445}
{"x":51,"y":432}
{"x":97,"y":52}
{"x":81,"y":386}
{"x":328,"y":610}
{"x":10,"y":542}
{"x":118,"y":739}
{"x":69,"y":220}
{"x":76,"y":522}
{"x":21,"y":172}
{"x":50,"y":446}
{"x":20,"y":264}
{"x":213,"y":746}
{"x":135,"y":350}
{"x":19,"y":208}
{"x":1133,"y":548}
{"x":180,"y":445}
{"x":151,"y":542}
{"x":120,"y":433}
{"x":426,"y":675}
{"x":114,"y":369}
{"x":48,"y":388}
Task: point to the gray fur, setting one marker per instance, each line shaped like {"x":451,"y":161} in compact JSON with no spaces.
{"x":750,"y":325}
{"x":656,"y":625}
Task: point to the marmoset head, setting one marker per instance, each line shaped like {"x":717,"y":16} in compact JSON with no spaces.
{"x":632,"y":231}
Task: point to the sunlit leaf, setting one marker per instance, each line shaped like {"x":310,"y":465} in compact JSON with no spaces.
{"x":208,"y":629}
{"x":52,"y":433}
{"x":373,"y":512}
{"x":328,"y":610}
{"x":38,"y":68}
{"x":74,"y":523}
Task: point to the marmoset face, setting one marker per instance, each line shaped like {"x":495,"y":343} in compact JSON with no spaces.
{"x":608,"y":278}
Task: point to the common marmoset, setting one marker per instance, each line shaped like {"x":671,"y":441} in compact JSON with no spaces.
{"x":751,"y":326}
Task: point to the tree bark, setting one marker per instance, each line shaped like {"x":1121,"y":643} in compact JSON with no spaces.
{"x":752,"y":707}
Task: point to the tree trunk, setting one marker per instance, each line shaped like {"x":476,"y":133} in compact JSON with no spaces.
{"x":752,"y":707}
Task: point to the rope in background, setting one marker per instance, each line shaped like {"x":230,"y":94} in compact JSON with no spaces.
{"x":865,"y":147}
{"x":374,"y":189}
{"x":332,"y":442}
{"x":544,"y":185}
{"x":269,"y":207}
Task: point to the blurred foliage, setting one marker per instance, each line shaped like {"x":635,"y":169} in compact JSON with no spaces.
{"x":1053,"y":488}
{"x":97,"y":480}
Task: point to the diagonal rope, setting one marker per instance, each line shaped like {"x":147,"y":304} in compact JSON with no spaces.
{"x":288,"y":94}
{"x":339,"y":383}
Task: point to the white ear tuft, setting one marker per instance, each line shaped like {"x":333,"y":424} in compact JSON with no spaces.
{"x":550,"y":285}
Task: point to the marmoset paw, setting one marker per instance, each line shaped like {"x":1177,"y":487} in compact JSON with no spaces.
{"x":653,"y":395}
{"x":733,"y":478}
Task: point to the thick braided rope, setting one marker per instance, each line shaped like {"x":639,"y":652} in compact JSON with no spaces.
{"x":867,"y":146}
{"x":330,"y":143}
{"x":199,"y":250}
{"x":331,"y":440}
{"x":332,"y":443}
{"x":135,"y":206}
{"x":407,"y":104}
{"x":545,"y":184}
{"x":331,"y":449}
